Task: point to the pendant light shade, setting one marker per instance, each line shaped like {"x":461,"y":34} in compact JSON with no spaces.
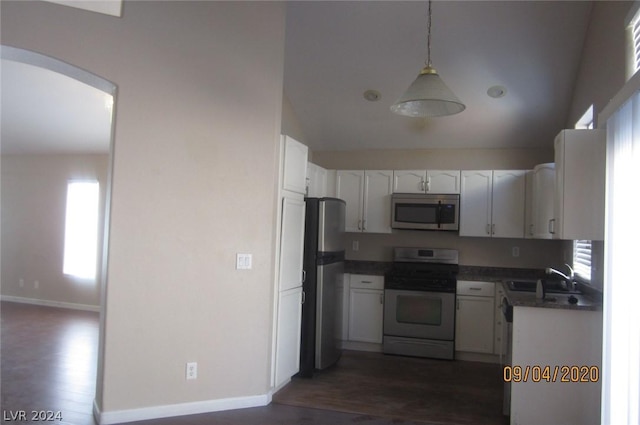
{"x":428,"y":95}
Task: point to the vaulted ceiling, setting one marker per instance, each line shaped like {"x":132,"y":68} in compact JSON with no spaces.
{"x":336,"y":50}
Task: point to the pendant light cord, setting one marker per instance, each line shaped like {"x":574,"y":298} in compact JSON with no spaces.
{"x":428,"y":62}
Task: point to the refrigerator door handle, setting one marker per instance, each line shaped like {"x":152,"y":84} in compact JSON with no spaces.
{"x":304,"y":297}
{"x":304,"y":276}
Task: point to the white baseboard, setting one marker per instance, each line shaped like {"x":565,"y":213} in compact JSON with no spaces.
{"x":182,"y":409}
{"x":49,"y":303}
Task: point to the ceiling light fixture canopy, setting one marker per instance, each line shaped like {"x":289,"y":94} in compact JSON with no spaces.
{"x":428,"y":95}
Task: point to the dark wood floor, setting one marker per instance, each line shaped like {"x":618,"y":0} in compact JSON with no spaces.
{"x":49,"y":357}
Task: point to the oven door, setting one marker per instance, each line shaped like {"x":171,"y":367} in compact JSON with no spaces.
{"x":419,"y":314}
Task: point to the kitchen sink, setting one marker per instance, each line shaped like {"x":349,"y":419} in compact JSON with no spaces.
{"x":550,"y":286}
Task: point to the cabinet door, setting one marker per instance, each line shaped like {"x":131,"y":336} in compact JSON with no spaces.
{"x":508,"y":204}
{"x":544,"y":176}
{"x":409,"y":181}
{"x":443,"y":181}
{"x":580,"y":179}
{"x":474,"y":324}
{"x":291,"y":243}
{"x":529,"y":209}
{"x":500,"y":327}
{"x":475,"y":203}
{"x":350,"y":188}
{"x":288,"y":335}
{"x":376,"y":216}
{"x":365,"y":315}
{"x":316,"y":181}
{"x":295,"y":166}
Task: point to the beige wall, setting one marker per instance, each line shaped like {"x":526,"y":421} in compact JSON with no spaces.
{"x":34,"y":190}
{"x":198,"y":116}
{"x":603,"y":62}
{"x":473,"y":251}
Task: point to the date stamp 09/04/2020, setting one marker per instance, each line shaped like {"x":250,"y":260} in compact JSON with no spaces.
{"x":31,"y":416}
{"x":537,"y":373}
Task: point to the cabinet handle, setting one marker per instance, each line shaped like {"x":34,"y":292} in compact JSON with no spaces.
{"x":304,"y":297}
{"x":475,"y":289}
{"x":493,"y":229}
{"x":488,"y":229}
{"x":366,"y":281}
{"x":364,"y":222}
{"x":304,"y":276}
{"x":428,"y":184}
{"x":552,"y":226}
{"x":423,"y":188}
{"x":359,"y":224}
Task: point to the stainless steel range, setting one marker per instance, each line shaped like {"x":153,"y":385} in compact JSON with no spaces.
{"x":419,"y":303}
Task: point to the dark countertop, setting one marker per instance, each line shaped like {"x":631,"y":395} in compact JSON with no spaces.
{"x":586,"y":301}
{"x":590,"y":299}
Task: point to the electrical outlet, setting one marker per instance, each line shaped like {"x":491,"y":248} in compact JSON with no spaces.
{"x":355,"y":245}
{"x":515,"y":251}
{"x":192,"y":370}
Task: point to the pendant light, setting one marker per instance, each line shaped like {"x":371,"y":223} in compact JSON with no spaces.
{"x":428,"y":95}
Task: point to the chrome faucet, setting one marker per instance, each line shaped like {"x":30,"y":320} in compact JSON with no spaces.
{"x":568,"y":278}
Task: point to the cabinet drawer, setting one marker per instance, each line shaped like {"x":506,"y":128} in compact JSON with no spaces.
{"x":478,"y":289}
{"x":366,"y":281}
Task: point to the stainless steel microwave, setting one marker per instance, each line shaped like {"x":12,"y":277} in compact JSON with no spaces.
{"x":425,"y":212}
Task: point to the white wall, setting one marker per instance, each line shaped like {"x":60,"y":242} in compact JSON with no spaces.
{"x":198,"y":115}
{"x":603,"y":61}
{"x":34,"y":191}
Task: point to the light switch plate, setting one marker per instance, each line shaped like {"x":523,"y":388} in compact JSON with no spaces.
{"x":243,"y":261}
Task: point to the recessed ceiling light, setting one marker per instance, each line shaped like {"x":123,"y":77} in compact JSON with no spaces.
{"x":372,"y":95}
{"x":497,"y":91}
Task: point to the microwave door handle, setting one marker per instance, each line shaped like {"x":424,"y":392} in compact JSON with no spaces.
{"x":439,"y":214}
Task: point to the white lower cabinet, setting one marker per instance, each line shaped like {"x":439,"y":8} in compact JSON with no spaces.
{"x":475,"y":317}
{"x":560,"y":353}
{"x":366,"y":302}
{"x":288,"y":335}
{"x":500,"y":327}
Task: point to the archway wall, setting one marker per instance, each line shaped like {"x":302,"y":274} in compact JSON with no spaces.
{"x":194,"y":169}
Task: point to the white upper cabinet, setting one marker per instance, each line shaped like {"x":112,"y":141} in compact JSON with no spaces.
{"x":528,"y":205}
{"x":409,"y":181}
{"x":492,"y":203}
{"x":544,"y":176}
{"x":426,"y":181}
{"x":508,"y":204}
{"x":580,"y":159}
{"x":316,"y":181}
{"x":294,"y":176}
{"x":475,"y":203}
{"x":350,"y":188}
{"x":443,"y":181}
{"x":368,"y":198}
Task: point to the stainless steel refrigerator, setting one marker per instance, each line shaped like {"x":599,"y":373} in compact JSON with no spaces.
{"x":323,"y":269}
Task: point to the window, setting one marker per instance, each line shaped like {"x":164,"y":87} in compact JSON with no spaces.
{"x":633,"y":40}
{"x":586,"y":121}
{"x":582,"y":259}
{"x":81,"y":229}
